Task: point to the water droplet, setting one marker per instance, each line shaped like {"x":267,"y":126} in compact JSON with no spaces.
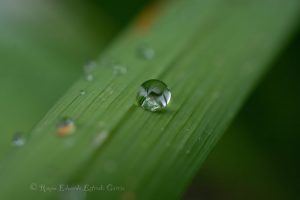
{"x":82,"y":92}
{"x":119,"y":69}
{"x":66,"y":127}
{"x":153,"y":95}
{"x":146,"y":52}
{"x":18,"y":139}
{"x":89,"y":77}
{"x":100,"y":138}
{"x":88,"y":69}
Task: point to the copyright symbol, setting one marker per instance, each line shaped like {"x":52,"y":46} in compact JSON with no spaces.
{"x":33,"y":186}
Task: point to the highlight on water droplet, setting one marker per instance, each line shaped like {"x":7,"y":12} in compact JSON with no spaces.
{"x":153,"y":95}
{"x":18,"y":139}
{"x":145,"y":52}
{"x":119,"y":69}
{"x":65,"y":127}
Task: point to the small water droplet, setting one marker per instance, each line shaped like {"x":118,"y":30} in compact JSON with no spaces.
{"x":100,"y":138}
{"x":88,"y":69}
{"x":82,"y":92}
{"x":119,"y":69}
{"x":66,"y":127}
{"x":18,"y":139}
{"x":153,"y":95}
{"x":89,"y":77}
{"x":146,"y":52}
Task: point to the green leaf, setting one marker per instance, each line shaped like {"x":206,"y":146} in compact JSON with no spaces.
{"x":210,"y":54}
{"x":43,"y":47}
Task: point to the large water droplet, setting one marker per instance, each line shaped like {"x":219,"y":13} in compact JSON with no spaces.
{"x":65,"y":127}
{"x":146,"y":52}
{"x":18,"y":139}
{"x":153,"y":95}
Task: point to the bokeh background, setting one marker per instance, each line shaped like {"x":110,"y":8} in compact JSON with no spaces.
{"x":258,"y":157}
{"x":45,"y":43}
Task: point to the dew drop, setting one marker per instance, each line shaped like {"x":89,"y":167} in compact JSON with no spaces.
{"x":65,"y":127}
{"x":18,"y":139}
{"x":145,"y":52}
{"x":82,"y":92}
{"x":89,"y":77}
{"x":100,"y":138}
{"x":119,"y":69}
{"x":88,"y":69}
{"x":153,"y":95}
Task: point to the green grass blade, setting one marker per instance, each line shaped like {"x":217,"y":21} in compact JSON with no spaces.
{"x":210,"y":53}
{"x":43,"y":47}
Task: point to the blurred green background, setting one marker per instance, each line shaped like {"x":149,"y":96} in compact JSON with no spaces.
{"x":258,"y":157}
{"x":44,"y":44}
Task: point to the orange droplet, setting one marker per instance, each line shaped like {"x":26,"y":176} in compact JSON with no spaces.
{"x":65,"y":127}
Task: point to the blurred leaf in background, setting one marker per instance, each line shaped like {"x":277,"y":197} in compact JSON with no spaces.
{"x":258,"y":158}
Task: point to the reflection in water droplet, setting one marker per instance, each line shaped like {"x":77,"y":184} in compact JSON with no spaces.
{"x":119,"y":69}
{"x":66,"y":127}
{"x":145,"y":52}
{"x":153,"y":95}
{"x":18,"y":139}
